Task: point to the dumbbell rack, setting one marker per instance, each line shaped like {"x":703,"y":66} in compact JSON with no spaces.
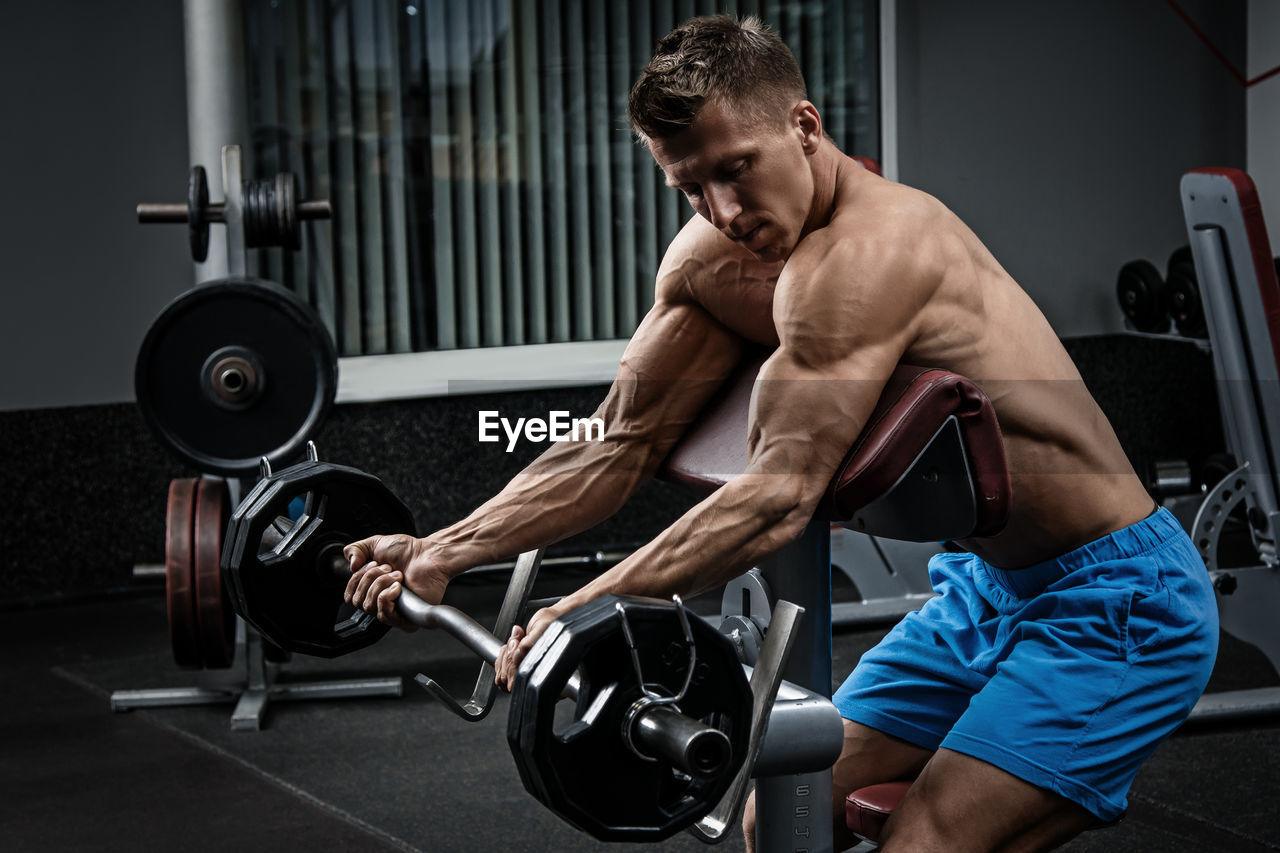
{"x":252,"y":681}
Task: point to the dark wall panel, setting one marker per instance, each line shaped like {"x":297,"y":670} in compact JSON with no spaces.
{"x":1059,"y":129}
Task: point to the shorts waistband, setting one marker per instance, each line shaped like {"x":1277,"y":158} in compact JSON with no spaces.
{"x":1131,"y":541}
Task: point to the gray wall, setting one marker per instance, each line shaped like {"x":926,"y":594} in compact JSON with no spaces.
{"x":1264,"y":110}
{"x":1059,"y":129}
{"x":95,"y":121}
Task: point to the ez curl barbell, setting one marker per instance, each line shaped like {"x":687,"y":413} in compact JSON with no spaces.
{"x":661,"y":707}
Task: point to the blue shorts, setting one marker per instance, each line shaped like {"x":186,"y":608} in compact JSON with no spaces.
{"x":1067,"y":674}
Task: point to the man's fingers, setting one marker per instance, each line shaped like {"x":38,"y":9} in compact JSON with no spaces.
{"x":387,"y":600}
{"x":369,"y":583}
{"x":373,"y":595}
{"x":394,"y":549}
{"x":360,"y":553}
{"x":364,"y":578}
{"x":504,"y":669}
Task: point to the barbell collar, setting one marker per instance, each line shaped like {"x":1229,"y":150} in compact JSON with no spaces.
{"x":660,"y":731}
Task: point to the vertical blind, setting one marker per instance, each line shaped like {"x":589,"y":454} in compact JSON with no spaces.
{"x":486,"y":187}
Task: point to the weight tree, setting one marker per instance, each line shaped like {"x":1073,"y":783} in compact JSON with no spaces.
{"x":233,"y":376}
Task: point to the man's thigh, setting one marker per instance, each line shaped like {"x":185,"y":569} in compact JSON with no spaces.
{"x":960,"y":803}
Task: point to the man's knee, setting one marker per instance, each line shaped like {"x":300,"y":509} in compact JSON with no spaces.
{"x":867,"y":757}
{"x":870,"y":756}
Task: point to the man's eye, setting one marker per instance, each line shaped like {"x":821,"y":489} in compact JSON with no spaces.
{"x":693,"y":192}
{"x":736,"y":171}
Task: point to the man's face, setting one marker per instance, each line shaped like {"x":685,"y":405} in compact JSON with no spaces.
{"x":750,"y":179}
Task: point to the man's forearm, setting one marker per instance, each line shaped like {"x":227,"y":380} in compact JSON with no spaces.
{"x":568,"y":489}
{"x":747,"y":519}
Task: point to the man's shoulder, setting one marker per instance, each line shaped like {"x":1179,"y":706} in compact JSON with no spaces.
{"x":699,"y":257}
{"x":884,"y":214}
{"x":882,"y":233}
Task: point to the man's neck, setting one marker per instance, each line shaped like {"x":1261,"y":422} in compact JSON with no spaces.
{"x":828,"y":166}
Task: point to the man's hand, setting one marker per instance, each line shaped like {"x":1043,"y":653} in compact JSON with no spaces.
{"x":519,"y":644}
{"x":381,"y":566}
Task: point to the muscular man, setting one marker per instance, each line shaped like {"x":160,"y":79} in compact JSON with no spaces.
{"x":1057,"y":653}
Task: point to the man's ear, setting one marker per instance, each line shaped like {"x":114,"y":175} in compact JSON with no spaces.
{"x":808,"y":123}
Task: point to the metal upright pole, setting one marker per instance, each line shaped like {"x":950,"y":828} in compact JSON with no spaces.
{"x":217,"y":103}
{"x":793,"y":813}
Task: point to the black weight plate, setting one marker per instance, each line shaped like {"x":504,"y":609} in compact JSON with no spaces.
{"x":281,"y":355}
{"x":214,"y":616}
{"x":198,"y":214}
{"x":179,"y":581}
{"x":1180,"y":255}
{"x":1184,"y":300}
{"x":582,"y":768}
{"x":1184,"y":293}
{"x":283,"y":585}
{"x":1141,"y":293}
{"x":245,"y":510}
{"x":228,"y":542}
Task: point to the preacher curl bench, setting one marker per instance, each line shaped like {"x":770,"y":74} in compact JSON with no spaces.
{"x":928,"y":466}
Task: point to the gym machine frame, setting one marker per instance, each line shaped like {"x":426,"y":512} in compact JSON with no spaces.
{"x":252,"y":684}
{"x":1239,"y":289}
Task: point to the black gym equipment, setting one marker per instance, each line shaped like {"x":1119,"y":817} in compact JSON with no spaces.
{"x":1143,"y":296}
{"x":271,"y":209}
{"x":1184,"y":295}
{"x":233,"y":376}
{"x":288,"y":575}
{"x":201,"y":621}
{"x":659,"y":698}
{"x":179,"y":583}
{"x":215,"y":620}
{"x":235,"y":370}
{"x":1240,"y":286}
{"x":633,"y":663}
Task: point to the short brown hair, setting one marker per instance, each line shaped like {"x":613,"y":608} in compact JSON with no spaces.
{"x":742,"y":62}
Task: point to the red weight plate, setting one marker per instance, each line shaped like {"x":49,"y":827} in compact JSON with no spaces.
{"x":178,"y":572}
{"x":214,"y":616}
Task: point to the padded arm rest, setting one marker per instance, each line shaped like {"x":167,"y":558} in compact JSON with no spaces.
{"x":928,"y":466}
{"x":867,"y":810}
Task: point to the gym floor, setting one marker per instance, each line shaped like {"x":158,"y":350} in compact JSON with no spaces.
{"x":405,"y":774}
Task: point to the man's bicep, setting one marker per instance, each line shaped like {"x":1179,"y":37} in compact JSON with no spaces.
{"x":805,"y":417}
{"x":844,"y":319}
{"x":676,"y":360}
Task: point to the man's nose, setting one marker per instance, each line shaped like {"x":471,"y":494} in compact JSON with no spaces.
{"x":722,"y":206}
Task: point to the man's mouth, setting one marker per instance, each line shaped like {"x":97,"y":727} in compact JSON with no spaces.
{"x":745,"y":239}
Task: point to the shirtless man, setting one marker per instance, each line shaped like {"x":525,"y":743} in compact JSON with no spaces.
{"x":1097,"y":609}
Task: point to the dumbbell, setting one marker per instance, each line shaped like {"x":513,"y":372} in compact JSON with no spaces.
{"x":272,"y":212}
{"x":662,"y":706}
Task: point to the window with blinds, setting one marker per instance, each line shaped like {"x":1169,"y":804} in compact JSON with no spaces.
{"x":486,"y":187}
